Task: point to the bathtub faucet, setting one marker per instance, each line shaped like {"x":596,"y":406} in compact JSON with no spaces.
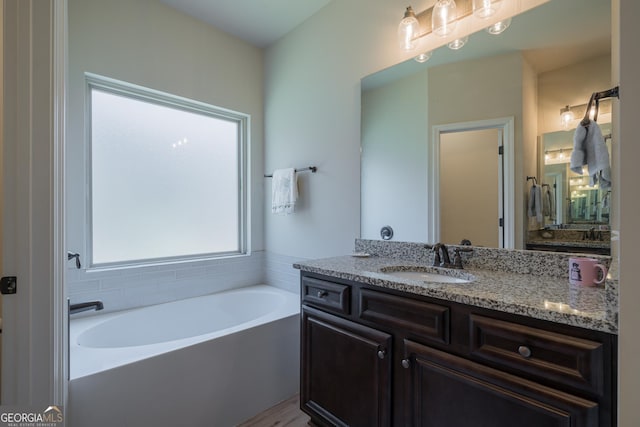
{"x":85,"y":306}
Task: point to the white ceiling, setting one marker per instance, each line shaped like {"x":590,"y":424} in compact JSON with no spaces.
{"x":259,"y":22}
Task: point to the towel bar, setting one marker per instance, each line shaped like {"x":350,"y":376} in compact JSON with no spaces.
{"x":313,"y":169}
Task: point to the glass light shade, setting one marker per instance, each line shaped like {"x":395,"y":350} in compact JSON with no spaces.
{"x":566,"y":117}
{"x":408,"y":30}
{"x":499,"y":27}
{"x":458,"y":43}
{"x":444,"y":18}
{"x":485,"y":8}
{"x":423,"y":57}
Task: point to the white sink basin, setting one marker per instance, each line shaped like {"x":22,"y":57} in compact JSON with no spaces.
{"x":427,"y":276}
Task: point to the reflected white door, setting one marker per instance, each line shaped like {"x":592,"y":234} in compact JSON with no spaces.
{"x":471,"y":187}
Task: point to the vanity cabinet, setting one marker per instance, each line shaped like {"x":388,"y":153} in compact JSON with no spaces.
{"x":346,"y":375}
{"x":373,"y":356}
{"x":447,"y":390}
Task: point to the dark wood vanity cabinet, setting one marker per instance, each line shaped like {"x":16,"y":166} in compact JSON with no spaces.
{"x":346,"y":375}
{"x":447,"y":390}
{"x":377,"y":357}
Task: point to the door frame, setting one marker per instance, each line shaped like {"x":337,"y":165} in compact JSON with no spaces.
{"x":35,"y":354}
{"x":506,"y":126}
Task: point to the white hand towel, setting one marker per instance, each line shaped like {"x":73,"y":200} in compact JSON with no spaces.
{"x":590,"y":149}
{"x":284,"y":191}
{"x":535,"y":203}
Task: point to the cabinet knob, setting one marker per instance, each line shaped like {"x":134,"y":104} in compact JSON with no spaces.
{"x":524,"y":351}
{"x":322,"y":294}
{"x":382,"y":353}
{"x":405,"y":363}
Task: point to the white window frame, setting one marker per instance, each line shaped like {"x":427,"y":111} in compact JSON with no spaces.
{"x":141,"y":93}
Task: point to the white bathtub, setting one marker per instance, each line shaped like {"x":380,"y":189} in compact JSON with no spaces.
{"x":214,"y":360}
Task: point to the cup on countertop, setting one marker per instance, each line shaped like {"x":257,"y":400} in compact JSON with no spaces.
{"x":586,"y":271}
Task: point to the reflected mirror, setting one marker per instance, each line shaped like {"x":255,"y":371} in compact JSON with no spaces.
{"x":526,"y":75}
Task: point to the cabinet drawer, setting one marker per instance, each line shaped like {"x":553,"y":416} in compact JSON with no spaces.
{"x":327,"y":295}
{"x":560,"y":358}
{"x":419,"y":319}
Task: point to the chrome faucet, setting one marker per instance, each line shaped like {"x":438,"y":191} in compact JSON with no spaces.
{"x":85,"y":306}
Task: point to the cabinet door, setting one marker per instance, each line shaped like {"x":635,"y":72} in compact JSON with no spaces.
{"x":446,"y":390}
{"x":346,"y":371}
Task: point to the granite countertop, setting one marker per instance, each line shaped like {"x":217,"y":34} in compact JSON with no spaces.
{"x":572,"y":243}
{"x":546,"y":297}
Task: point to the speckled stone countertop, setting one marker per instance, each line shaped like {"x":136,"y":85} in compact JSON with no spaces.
{"x":569,"y":237}
{"x":572,"y":243}
{"x":529,"y":283}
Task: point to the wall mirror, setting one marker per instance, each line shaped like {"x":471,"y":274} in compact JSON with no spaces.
{"x":575,"y":203}
{"x":544,"y":61}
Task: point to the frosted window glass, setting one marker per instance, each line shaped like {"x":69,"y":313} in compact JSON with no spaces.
{"x":165,"y":182}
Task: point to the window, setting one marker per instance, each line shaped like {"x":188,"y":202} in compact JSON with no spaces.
{"x":167,"y":176}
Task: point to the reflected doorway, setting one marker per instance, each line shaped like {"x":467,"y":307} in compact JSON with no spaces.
{"x":471,"y":187}
{"x":472,"y":191}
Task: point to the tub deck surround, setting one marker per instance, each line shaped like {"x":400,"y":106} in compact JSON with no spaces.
{"x":528,"y":283}
{"x":213,"y":360}
{"x":106,"y":341}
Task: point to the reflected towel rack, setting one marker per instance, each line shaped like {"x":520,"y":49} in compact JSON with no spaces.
{"x":313,"y":169}
{"x":535,"y":180}
{"x":614,"y":92}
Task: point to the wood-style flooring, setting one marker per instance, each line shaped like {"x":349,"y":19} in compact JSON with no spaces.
{"x":284,"y":414}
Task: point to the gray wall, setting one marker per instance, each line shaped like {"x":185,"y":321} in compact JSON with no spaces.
{"x":395,"y":146}
{"x":150,"y":44}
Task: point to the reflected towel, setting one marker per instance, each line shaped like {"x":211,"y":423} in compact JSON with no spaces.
{"x":535,"y":203}
{"x":546,"y":208}
{"x":589,"y":149}
{"x":550,"y":198}
{"x":284,"y":191}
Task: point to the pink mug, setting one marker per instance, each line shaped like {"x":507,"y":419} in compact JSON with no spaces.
{"x":586,"y":271}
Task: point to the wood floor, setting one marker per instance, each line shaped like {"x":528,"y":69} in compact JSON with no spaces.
{"x":284,"y":414}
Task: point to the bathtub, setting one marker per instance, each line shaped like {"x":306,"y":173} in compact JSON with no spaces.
{"x":214,"y":360}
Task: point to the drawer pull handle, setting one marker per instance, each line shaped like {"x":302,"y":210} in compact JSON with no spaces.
{"x":322,"y":294}
{"x":524,"y":351}
{"x":382,"y":353}
{"x":405,"y":363}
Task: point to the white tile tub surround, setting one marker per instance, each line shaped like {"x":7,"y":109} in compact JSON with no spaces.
{"x":280,"y":272}
{"x":121,"y":289}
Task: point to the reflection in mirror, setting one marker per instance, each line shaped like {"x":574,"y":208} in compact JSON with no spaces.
{"x":525,"y":73}
{"x":574,"y":201}
{"x":470,"y":187}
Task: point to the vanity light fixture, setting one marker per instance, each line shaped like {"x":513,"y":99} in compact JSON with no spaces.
{"x":408,"y":30}
{"x":566,"y":117}
{"x":557,"y":156}
{"x":570,"y":113}
{"x":444,"y":18}
{"x":458,"y":43}
{"x":484,"y":9}
{"x":424,"y":56}
{"x":499,"y":27}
